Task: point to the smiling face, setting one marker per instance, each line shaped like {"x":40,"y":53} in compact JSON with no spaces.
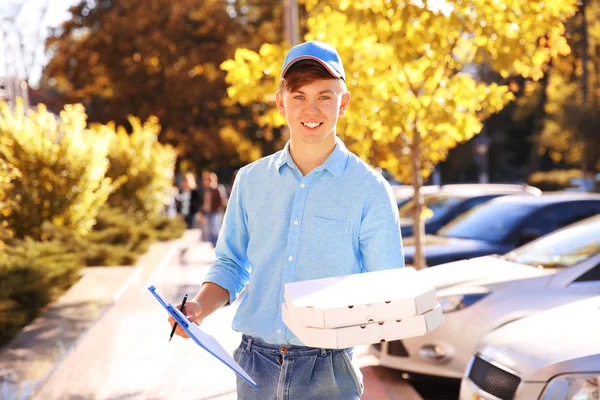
{"x":312,"y":106}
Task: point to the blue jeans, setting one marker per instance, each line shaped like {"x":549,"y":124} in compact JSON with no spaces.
{"x":213,"y":226}
{"x":297,"y":372}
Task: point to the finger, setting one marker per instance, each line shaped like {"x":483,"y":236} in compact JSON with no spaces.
{"x":180,"y":332}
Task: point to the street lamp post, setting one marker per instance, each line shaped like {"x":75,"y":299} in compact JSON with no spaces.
{"x":482,"y":145}
{"x":290,"y":21}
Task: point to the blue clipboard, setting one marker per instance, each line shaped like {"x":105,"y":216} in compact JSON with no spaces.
{"x":202,"y":339}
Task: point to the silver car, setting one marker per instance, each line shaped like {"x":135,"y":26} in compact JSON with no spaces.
{"x":483,"y":294}
{"x":553,"y":355}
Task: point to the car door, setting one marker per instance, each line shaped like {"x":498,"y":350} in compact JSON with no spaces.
{"x":580,"y":280}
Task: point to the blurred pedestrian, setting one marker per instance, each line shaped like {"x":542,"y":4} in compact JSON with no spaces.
{"x":189,"y":200}
{"x":215,"y":201}
{"x":171,"y":208}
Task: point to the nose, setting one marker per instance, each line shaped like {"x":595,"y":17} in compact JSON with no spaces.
{"x":311,"y":108}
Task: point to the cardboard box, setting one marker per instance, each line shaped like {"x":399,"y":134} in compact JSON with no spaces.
{"x":339,"y":338}
{"x":360,"y":298}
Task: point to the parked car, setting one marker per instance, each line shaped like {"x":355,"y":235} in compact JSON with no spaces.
{"x":404,"y":193}
{"x":553,"y":355}
{"x":503,"y":224}
{"x":483,"y":294}
{"x":453,"y":200}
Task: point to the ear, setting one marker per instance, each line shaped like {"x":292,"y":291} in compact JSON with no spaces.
{"x":279,"y":101}
{"x":344,"y":105}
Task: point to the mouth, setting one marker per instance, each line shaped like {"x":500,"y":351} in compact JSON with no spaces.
{"x":312,"y":125}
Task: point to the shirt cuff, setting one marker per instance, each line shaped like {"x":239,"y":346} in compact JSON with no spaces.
{"x":225,"y":282}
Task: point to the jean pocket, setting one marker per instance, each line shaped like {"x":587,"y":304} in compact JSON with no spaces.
{"x":353,"y":369}
{"x":328,"y":242}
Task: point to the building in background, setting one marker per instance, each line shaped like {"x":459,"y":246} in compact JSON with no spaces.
{"x":11,"y":88}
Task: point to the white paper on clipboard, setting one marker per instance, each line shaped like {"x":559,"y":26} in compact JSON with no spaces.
{"x":202,"y":339}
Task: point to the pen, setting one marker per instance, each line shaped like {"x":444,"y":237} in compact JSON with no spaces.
{"x":182,"y":309}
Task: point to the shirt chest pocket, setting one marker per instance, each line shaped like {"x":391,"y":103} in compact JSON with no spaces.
{"x":328,"y":243}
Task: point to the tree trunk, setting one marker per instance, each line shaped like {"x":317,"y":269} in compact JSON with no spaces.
{"x":584,"y":54}
{"x":585,"y":164}
{"x":538,"y":125}
{"x":417,"y":182}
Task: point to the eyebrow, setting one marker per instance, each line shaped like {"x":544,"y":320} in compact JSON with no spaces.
{"x":321,"y":92}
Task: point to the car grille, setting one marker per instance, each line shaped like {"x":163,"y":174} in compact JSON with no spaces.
{"x":396,"y":348}
{"x":493,"y":380}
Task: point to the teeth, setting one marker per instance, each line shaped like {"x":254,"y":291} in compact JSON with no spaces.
{"x":312,"y":124}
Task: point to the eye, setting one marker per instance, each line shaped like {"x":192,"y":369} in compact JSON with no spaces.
{"x":299,"y":97}
{"x":324,"y":97}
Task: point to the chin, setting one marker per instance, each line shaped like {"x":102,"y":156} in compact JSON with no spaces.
{"x":316,"y":138}
{"x":312,"y":140}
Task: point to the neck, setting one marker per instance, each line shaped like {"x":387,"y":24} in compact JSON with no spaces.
{"x":309,"y":156}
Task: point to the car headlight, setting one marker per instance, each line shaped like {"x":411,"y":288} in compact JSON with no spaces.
{"x":573,"y":387}
{"x":459,"y":301}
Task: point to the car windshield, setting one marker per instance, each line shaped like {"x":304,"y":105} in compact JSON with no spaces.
{"x":561,"y":249}
{"x":491,"y":222}
{"x":439,"y":204}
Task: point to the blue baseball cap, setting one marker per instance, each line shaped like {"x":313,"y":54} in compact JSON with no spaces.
{"x":321,"y":52}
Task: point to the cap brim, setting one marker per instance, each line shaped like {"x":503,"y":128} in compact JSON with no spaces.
{"x":331,"y":71}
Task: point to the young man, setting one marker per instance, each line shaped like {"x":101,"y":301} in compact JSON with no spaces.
{"x":312,"y":210}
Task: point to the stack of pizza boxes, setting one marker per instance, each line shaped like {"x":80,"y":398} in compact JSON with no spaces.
{"x":359,"y":309}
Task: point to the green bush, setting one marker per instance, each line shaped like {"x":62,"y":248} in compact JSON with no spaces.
{"x":117,"y":238}
{"x":553,"y":180}
{"x":31,"y":275}
{"x":166,"y":228}
{"x":34,"y":273}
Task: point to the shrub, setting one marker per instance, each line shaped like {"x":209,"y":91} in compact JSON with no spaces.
{"x":117,"y":238}
{"x":148,"y":166}
{"x":553,"y":180}
{"x":167,"y":228}
{"x":54,"y":170}
{"x":31,"y":275}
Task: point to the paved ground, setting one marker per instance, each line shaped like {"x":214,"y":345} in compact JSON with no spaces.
{"x":127,"y":354}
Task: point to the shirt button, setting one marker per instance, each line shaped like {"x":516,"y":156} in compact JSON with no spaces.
{"x":302,"y":185}
{"x":279,"y":331}
{"x":290,"y":258}
{"x":296,"y":222}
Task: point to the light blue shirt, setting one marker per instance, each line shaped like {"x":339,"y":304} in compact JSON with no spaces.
{"x":281,"y":227}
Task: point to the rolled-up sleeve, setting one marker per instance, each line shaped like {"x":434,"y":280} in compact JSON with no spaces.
{"x":231,"y":270}
{"x":380,"y":239}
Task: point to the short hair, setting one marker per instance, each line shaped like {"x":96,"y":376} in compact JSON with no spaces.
{"x":304,"y":73}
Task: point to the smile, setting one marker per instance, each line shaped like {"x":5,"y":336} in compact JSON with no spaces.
{"x":312,"y":125}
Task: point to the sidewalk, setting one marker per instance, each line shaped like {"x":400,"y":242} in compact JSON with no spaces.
{"x":29,"y":359}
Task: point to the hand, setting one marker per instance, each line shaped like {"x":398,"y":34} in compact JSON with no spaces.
{"x":193,"y":312}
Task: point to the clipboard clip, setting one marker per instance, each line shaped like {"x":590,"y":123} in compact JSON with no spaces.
{"x":180,"y":321}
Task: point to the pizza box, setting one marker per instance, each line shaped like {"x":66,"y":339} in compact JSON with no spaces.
{"x":359,"y":298}
{"x":349,"y":336}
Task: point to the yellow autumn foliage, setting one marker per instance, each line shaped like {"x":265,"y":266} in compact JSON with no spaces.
{"x":145,"y":165}
{"x":52,"y":169}
{"x":57,"y":169}
{"x":570,"y":131}
{"x":409,"y":67}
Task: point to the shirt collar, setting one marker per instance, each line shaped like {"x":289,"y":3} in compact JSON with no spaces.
{"x":335,"y":163}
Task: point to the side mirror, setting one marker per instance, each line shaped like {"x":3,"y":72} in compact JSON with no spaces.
{"x":527,"y":236}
